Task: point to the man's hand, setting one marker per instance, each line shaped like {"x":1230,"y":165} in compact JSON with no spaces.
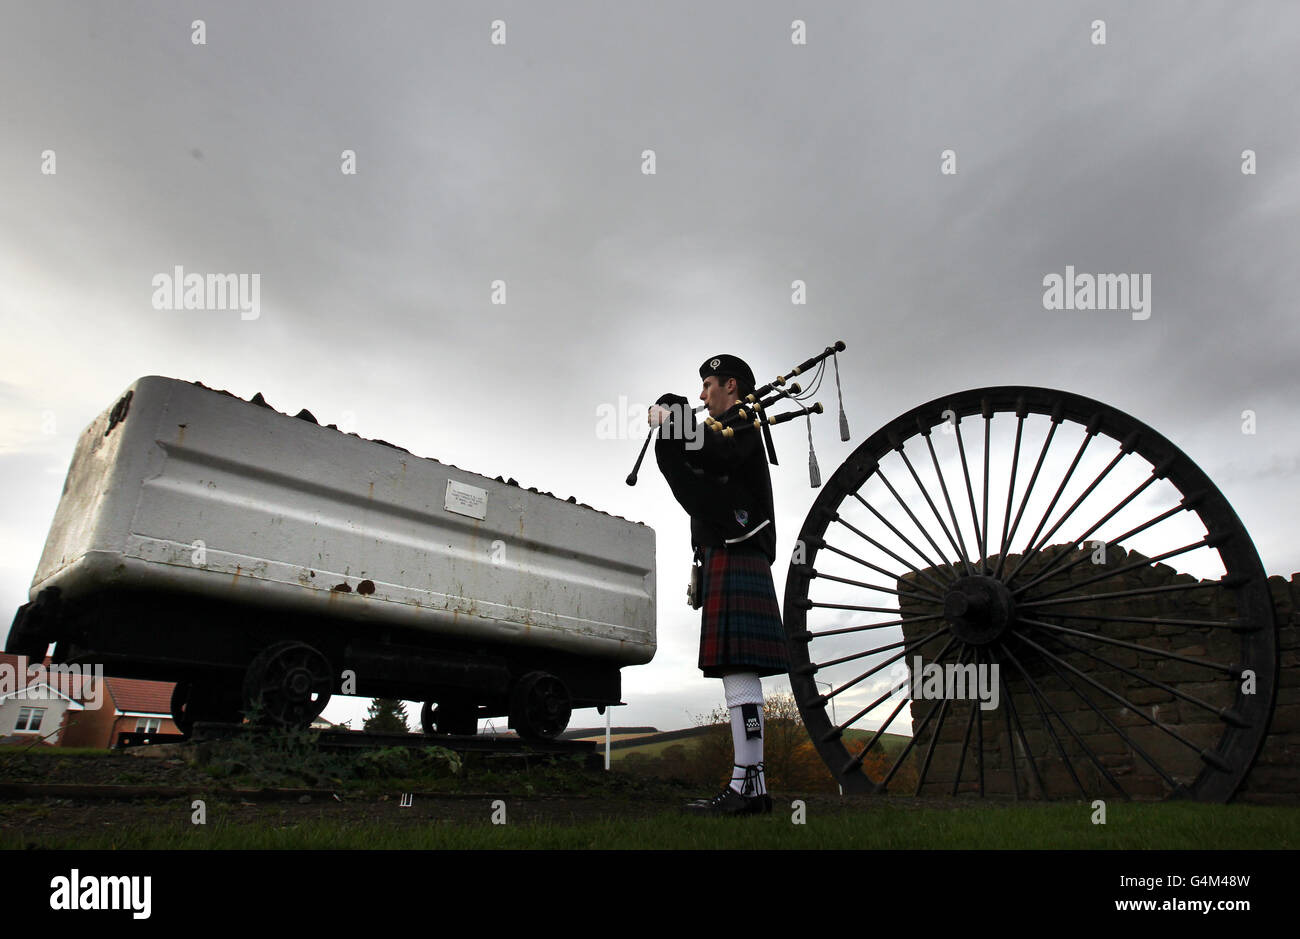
{"x":661,"y":412}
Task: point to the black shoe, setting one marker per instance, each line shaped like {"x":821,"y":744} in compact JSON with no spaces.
{"x":730,"y":802}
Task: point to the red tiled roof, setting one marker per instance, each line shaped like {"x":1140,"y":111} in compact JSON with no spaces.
{"x":135,"y":694}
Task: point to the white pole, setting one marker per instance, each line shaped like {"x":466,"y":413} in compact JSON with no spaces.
{"x":607,"y":713}
{"x":834,"y":719}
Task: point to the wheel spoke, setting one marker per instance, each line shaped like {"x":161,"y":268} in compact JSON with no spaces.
{"x":856,"y":761}
{"x":911,"y":742}
{"x":1005,"y":693}
{"x":1114,"y":695}
{"x":1149,"y":620}
{"x":808,"y":637}
{"x":965,"y":744}
{"x":1115,"y":727}
{"x":1115,"y":594}
{"x":970,"y":495}
{"x":850,"y":606}
{"x":1113,"y":543}
{"x":890,"y":574}
{"x":929,"y":751}
{"x":890,"y":525}
{"x":923,"y":597}
{"x":1011,"y":491}
{"x":901,"y":560}
{"x":1039,"y":700}
{"x":1106,"y":575}
{"x":959,"y":543}
{"x":979,"y":735}
{"x":1024,"y":499}
{"x":1014,"y":715}
{"x":1038,"y":546}
{"x":984,"y":530}
{"x":1222,"y":713}
{"x":1030,"y":549}
{"x":814,"y":667}
{"x":915,"y":643}
{"x":934,"y":738}
{"x":1053,"y":568}
{"x":910,"y":514}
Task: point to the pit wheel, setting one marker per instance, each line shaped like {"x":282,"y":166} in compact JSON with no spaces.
{"x":540,"y":706}
{"x":288,"y":684}
{"x":1061,"y":554}
{"x":449,"y":717}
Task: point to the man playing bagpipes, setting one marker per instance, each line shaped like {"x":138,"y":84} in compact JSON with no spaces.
{"x":723,"y":482}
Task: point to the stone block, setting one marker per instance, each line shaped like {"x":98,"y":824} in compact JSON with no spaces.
{"x":1275,"y":779}
{"x":1286,"y":719}
{"x":1149,"y":695}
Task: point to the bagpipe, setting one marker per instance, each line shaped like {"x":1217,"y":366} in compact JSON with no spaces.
{"x":752,"y":413}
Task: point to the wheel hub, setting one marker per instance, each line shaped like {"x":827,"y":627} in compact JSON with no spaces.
{"x":298,"y":684}
{"x":979,"y":609}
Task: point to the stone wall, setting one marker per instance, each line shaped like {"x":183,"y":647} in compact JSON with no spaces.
{"x":1083,"y":718}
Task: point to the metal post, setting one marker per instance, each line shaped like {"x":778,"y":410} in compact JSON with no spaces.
{"x":834,"y":720}
{"x":607,"y":713}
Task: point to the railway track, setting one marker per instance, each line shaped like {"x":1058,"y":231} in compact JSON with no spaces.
{"x":335,"y":741}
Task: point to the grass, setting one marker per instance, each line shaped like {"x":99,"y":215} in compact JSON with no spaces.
{"x":858,"y":825}
{"x":611,"y":813}
{"x":652,"y":750}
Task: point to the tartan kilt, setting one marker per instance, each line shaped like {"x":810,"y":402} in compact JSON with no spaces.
{"x":740,"y":627}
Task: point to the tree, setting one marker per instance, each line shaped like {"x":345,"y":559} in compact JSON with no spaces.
{"x":386,"y":716}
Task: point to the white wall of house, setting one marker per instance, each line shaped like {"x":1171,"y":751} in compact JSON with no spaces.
{"x":20,"y":707}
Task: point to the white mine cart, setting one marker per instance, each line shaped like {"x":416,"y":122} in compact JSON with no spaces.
{"x":264,"y":562}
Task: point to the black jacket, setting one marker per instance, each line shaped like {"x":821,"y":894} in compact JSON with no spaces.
{"x":724,"y":484}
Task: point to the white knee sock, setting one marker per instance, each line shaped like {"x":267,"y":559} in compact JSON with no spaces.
{"x":744,"y":693}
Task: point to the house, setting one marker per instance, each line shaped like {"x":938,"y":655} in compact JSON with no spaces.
{"x":56,"y":704}
{"x":33,"y":702}
{"x":130,"y":705}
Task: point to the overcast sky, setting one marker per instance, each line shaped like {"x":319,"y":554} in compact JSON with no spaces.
{"x":775,"y":161}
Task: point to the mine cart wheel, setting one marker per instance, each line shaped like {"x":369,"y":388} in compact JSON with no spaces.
{"x":288,"y":684}
{"x":1055,"y":546}
{"x":203,"y":702}
{"x":540,"y":706}
{"x":449,"y":717}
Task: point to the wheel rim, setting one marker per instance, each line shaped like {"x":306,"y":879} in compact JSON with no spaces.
{"x":544,"y":706}
{"x":973,"y":548}
{"x":289,"y":684}
{"x":180,"y":716}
